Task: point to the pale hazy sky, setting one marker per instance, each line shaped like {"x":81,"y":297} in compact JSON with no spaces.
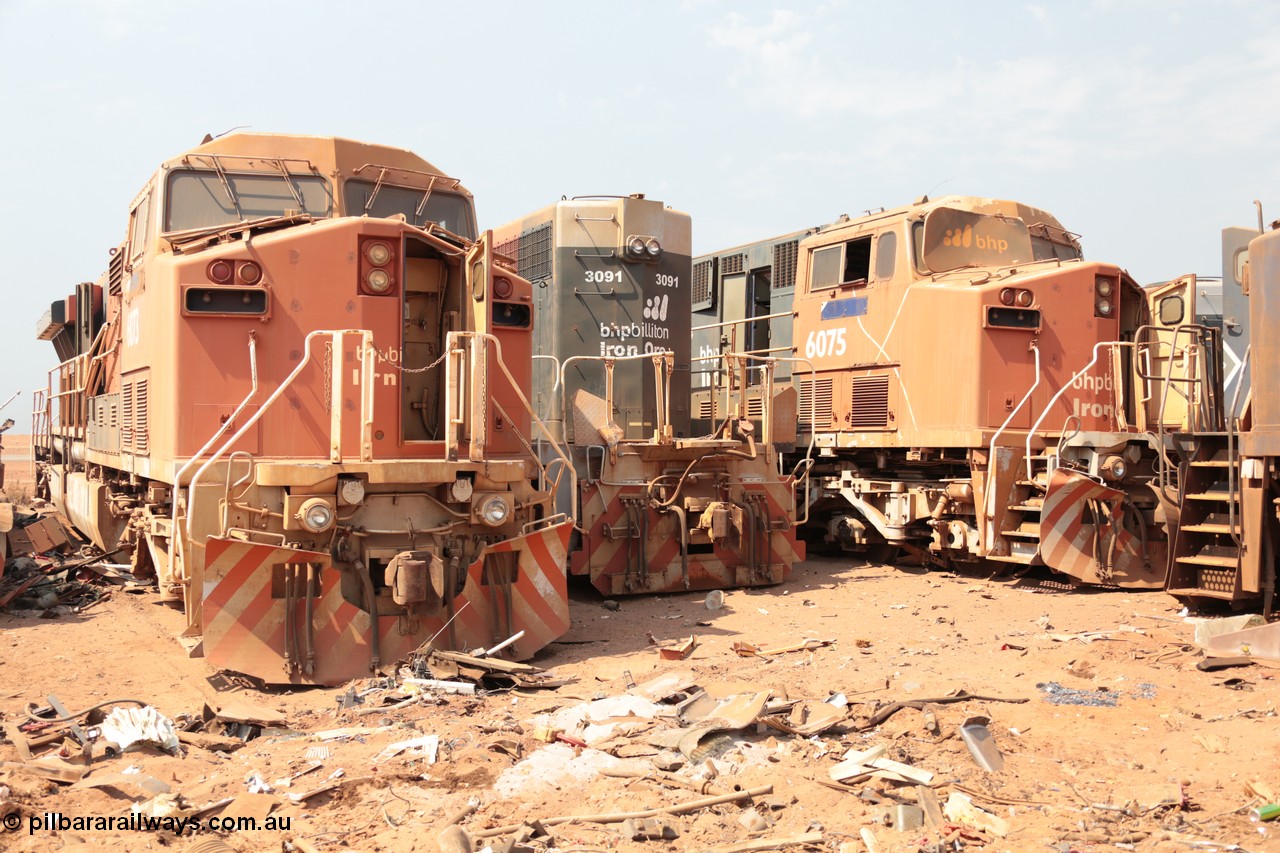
{"x":1144,"y":126}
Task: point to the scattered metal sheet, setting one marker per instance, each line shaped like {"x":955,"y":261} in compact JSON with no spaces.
{"x":976,"y":734}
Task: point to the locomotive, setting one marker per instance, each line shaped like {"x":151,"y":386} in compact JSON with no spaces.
{"x":975,"y":389}
{"x":1228,"y":479}
{"x":297,"y":394}
{"x":659,"y":508}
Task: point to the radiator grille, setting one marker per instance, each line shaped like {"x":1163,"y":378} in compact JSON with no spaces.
{"x":126,"y":416}
{"x":115,"y":272}
{"x":870,"y":406}
{"x":531,"y":252}
{"x":784,"y":264}
{"x":701,"y":293}
{"x":141,"y":435}
{"x":815,"y":403}
{"x":731,"y":264}
{"x":134,"y":435}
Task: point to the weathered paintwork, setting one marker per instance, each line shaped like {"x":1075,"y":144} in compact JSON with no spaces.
{"x":658,"y":509}
{"x":295,"y":354}
{"x":947,"y":359}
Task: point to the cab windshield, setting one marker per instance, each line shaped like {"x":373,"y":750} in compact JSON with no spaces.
{"x":207,"y":199}
{"x":954,"y":239}
{"x":418,"y":205}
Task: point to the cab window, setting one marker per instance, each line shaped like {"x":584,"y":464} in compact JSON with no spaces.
{"x":844,"y":263}
{"x":138,"y":222}
{"x":886,"y":254}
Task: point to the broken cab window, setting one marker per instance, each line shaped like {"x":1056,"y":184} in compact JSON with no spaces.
{"x":844,"y":263}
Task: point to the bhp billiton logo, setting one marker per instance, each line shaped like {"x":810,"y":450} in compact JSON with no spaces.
{"x":964,"y":239}
{"x":655,"y":308}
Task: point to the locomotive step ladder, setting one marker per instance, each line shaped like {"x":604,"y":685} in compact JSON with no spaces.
{"x":1022,"y":518}
{"x":1206,"y":557}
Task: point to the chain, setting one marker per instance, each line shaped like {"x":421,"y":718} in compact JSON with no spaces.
{"x":397,"y":365}
{"x":328,"y":374}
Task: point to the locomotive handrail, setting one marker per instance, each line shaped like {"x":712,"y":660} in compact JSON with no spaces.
{"x":336,"y":335}
{"x":1232,"y":478}
{"x":450,"y":341}
{"x":807,"y":460}
{"x":177,"y":549}
{"x":1097,"y":348}
{"x":991,"y":446}
{"x":773,"y":316}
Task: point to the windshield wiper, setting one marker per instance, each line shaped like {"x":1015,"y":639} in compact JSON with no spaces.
{"x":226,"y":185}
{"x":377,"y":185}
{"x":185,"y":239}
{"x":422,"y":204}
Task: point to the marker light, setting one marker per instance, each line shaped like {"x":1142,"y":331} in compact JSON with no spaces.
{"x":220,"y":272}
{"x":250,"y":273}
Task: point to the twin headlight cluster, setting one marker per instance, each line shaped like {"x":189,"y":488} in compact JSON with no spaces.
{"x":1103,"y":296}
{"x":642,"y":248}
{"x":377,"y":271}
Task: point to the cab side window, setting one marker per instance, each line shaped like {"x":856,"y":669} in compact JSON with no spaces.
{"x":139,"y":222}
{"x":886,"y":255}
{"x":843,"y":263}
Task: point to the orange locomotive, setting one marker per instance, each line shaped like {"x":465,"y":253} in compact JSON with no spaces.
{"x":297,"y":393}
{"x":977,"y":391}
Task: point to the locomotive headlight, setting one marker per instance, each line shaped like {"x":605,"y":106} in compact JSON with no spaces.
{"x":502,"y":288}
{"x":494,"y":511}
{"x":1006,"y":296}
{"x":378,"y":280}
{"x":1104,"y":307}
{"x":653,"y":247}
{"x":635,"y":245}
{"x":250,"y":273}
{"x":1115,"y":468}
{"x":378,"y":253}
{"x":316,"y":514}
{"x":1025,"y":298}
{"x":1102,"y":286}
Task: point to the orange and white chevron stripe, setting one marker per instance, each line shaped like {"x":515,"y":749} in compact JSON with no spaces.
{"x":1069,"y":542}
{"x":623,"y":556}
{"x":245,"y":618}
